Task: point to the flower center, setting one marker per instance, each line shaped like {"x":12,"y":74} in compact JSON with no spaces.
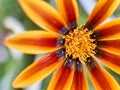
{"x":78,"y":44}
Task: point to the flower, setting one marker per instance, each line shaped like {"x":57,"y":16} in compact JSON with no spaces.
{"x":71,"y":46}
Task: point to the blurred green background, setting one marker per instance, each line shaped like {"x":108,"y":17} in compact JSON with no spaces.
{"x":13,"y":20}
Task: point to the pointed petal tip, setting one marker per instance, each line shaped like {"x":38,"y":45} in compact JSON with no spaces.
{"x":6,"y":41}
{"x":16,"y":85}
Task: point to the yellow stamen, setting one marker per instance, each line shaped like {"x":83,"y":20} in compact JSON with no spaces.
{"x":78,"y":44}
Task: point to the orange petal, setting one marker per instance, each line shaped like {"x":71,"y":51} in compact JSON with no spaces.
{"x":38,"y":70}
{"x":111,"y":60}
{"x":34,"y":42}
{"x":69,"y":10}
{"x":63,"y":77}
{"x":102,"y":10}
{"x":100,"y":78}
{"x":112,"y":46}
{"x":108,"y":31}
{"x":79,"y":80}
{"x":44,"y":15}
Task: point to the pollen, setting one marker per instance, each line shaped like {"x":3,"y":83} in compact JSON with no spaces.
{"x":78,"y":44}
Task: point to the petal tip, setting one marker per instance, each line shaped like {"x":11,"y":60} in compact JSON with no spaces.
{"x":18,"y":84}
{"x":6,"y":41}
{"x":15,"y":85}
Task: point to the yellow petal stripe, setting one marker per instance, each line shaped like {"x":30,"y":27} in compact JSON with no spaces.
{"x":33,"y":42}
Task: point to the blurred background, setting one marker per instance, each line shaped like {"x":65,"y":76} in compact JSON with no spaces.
{"x":13,"y":20}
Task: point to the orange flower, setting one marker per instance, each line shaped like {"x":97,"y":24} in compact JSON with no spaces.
{"x":71,"y":46}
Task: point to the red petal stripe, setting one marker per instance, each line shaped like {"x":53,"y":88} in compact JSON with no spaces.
{"x":69,"y":10}
{"x":112,"y":46}
{"x":40,"y":42}
{"x":112,"y":32}
{"x":38,"y":70}
{"x":44,"y":15}
{"x":63,"y":77}
{"x":101,"y":79}
{"x":79,"y":80}
{"x":102,"y":10}
{"x":111,"y":60}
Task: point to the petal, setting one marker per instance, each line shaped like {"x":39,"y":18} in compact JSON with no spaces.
{"x":69,"y":10}
{"x":34,"y":42}
{"x":108,"y":31}
{"x":102,"y":10}
{"x":111,"y":60}
{"x":79,"y":80}
{"x":38,"y":70}
{"x":63,"y":77}
{"x":112,"y":46}
{"x":44,"y":15}
{"x":100,"y":78}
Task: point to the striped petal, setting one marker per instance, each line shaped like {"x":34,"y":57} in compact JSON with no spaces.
{"x":111,"y":60}
{"x":102,"y":10}
{"x":44,"y":15}
{"x":79,"y":80}
{"x":112,"y":46}
{"x":63,"y":77}
{"x":108,"y":31}
{"x":34,"y":42}
{"x":100,"y":78}
{"x":69,"y":10}
{"x":38,"y":70}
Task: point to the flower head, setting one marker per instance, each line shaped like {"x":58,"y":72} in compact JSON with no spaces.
{"x":71,"y":46}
